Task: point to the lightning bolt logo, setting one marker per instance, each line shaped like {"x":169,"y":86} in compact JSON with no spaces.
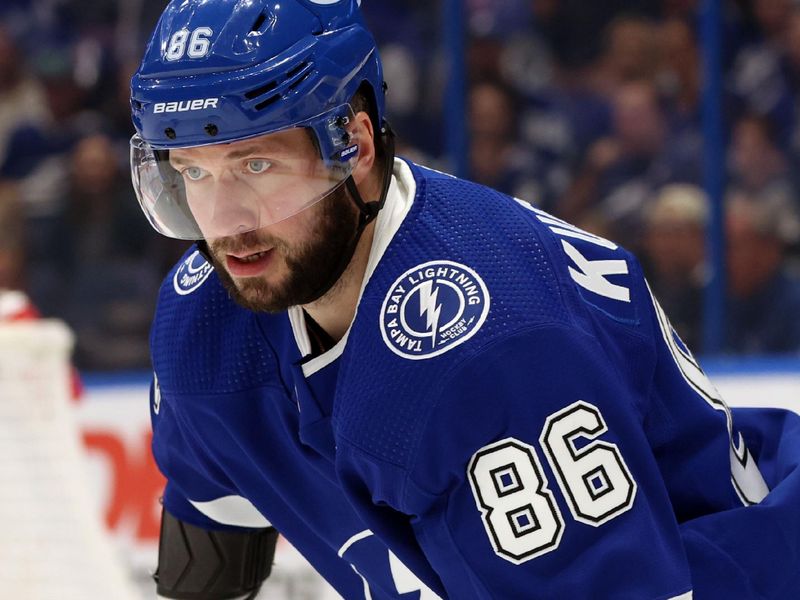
{"x":430,"y":308}
{"x":440,"y":300}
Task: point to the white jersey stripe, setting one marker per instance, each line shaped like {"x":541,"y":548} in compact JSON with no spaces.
{"x":232,"y":510}
{"x":356,"y":538}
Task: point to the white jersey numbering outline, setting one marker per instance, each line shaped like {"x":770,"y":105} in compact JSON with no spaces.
{"x":745,"y":476}
{"x":511,"y":491}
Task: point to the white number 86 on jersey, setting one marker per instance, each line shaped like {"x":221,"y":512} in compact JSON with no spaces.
{"x":511,"y":491}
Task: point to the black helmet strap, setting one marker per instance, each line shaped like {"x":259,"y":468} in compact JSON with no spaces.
{"x":368,"y":211}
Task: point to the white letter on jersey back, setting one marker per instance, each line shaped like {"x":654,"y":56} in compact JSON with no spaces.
{"x":592,"y":274}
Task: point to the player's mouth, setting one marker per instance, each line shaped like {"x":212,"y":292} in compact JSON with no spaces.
{"x":249,"y":264}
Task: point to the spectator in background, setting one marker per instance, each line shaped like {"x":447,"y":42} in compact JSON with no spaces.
{"x":678,"y":74}
{"x":38,"y":150}
{"x":576,"y":112}
{"x":496,"y":157}
{"x":22,"y":98}
{"x":674,"y":254}
{"x":572,"y":26}
{"x":793,"y":75}
{"x":559,"y":113}
{"x":117,"y":106}
{"x":622,"y":171}
{"x":758,"y":166}
{"x":491,"y":111}
{"x":758,"y":79}
{"x":108,"y":284}
{"x":38,"y":160}
{"x":12,"y":240}
{"x":100,"y":213}
{"x":631,"y":54}
{"x":15,"y":305}
{"x":14,"y":302}
{"x":764,"y":296}
{"x":405,"y":100}
{"x":409,"y":37}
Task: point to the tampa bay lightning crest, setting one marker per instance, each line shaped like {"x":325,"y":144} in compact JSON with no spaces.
{"x":433,"y":308}
{"x":191,"y":274}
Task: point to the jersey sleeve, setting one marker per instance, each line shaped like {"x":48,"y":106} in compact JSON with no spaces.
{"x":196,"y":490}
{"x":534,"y":473}
{"x":753,"y":551}
{"x":733,"y":489}
{"x":704,"y":473}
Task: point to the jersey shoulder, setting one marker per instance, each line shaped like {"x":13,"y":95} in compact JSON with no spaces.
{"x":471,"y":270}
{"x":494,"y":235}
{"x":560,"y":269}
{"x":202,"y":341}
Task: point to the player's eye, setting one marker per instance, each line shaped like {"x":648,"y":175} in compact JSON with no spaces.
{"x":193,"y":173}
{"x":257,"y":165}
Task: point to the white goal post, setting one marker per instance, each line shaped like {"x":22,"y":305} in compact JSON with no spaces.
{"x":53,"y":545}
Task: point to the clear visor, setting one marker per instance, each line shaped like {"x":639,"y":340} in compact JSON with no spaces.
{"x":215,"y":191}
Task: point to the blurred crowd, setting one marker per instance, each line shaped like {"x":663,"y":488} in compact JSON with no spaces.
{"x":590,"y":110}
{"x":593,"y":112}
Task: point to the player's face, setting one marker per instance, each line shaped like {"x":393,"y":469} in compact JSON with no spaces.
{"x":246,"y":185}
{"x":286,"y":263}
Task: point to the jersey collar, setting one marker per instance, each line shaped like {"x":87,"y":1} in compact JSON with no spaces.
{"x":399,"y":200}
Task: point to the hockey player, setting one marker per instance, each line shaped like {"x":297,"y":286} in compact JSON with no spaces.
{"x":432,"y":390}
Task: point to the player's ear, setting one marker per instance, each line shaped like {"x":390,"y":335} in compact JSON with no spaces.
{"x":365,"y":137}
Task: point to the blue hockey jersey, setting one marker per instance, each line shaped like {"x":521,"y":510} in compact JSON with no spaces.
{"x":510,"y":415}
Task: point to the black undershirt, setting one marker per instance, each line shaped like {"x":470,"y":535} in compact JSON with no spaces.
{"x":320,"y":340}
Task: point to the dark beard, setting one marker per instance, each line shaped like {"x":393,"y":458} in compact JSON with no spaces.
{"x":311,"y":266}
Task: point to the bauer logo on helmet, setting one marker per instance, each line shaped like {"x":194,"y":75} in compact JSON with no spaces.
{"x":185,"y":105}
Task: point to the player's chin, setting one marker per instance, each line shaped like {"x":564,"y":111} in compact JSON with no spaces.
{"x":256,"y":295}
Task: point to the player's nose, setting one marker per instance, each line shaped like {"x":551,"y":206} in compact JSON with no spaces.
{"x":235,"y":211}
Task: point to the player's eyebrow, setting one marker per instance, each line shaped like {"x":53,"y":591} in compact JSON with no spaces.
{"x":237,"y":154}
{"x":177,"y":160}
{"x":244,"y":152}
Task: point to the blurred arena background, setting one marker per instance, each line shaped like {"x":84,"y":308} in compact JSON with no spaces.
{"x":669,"y":126}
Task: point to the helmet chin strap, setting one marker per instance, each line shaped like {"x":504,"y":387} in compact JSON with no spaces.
{"x":368,"y":212}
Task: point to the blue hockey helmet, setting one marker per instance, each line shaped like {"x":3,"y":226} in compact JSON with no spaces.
{"x":223,"y":70}
{"x":220,"y":71}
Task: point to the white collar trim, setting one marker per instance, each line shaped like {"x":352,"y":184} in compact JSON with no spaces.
{"x":399,"y":200}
